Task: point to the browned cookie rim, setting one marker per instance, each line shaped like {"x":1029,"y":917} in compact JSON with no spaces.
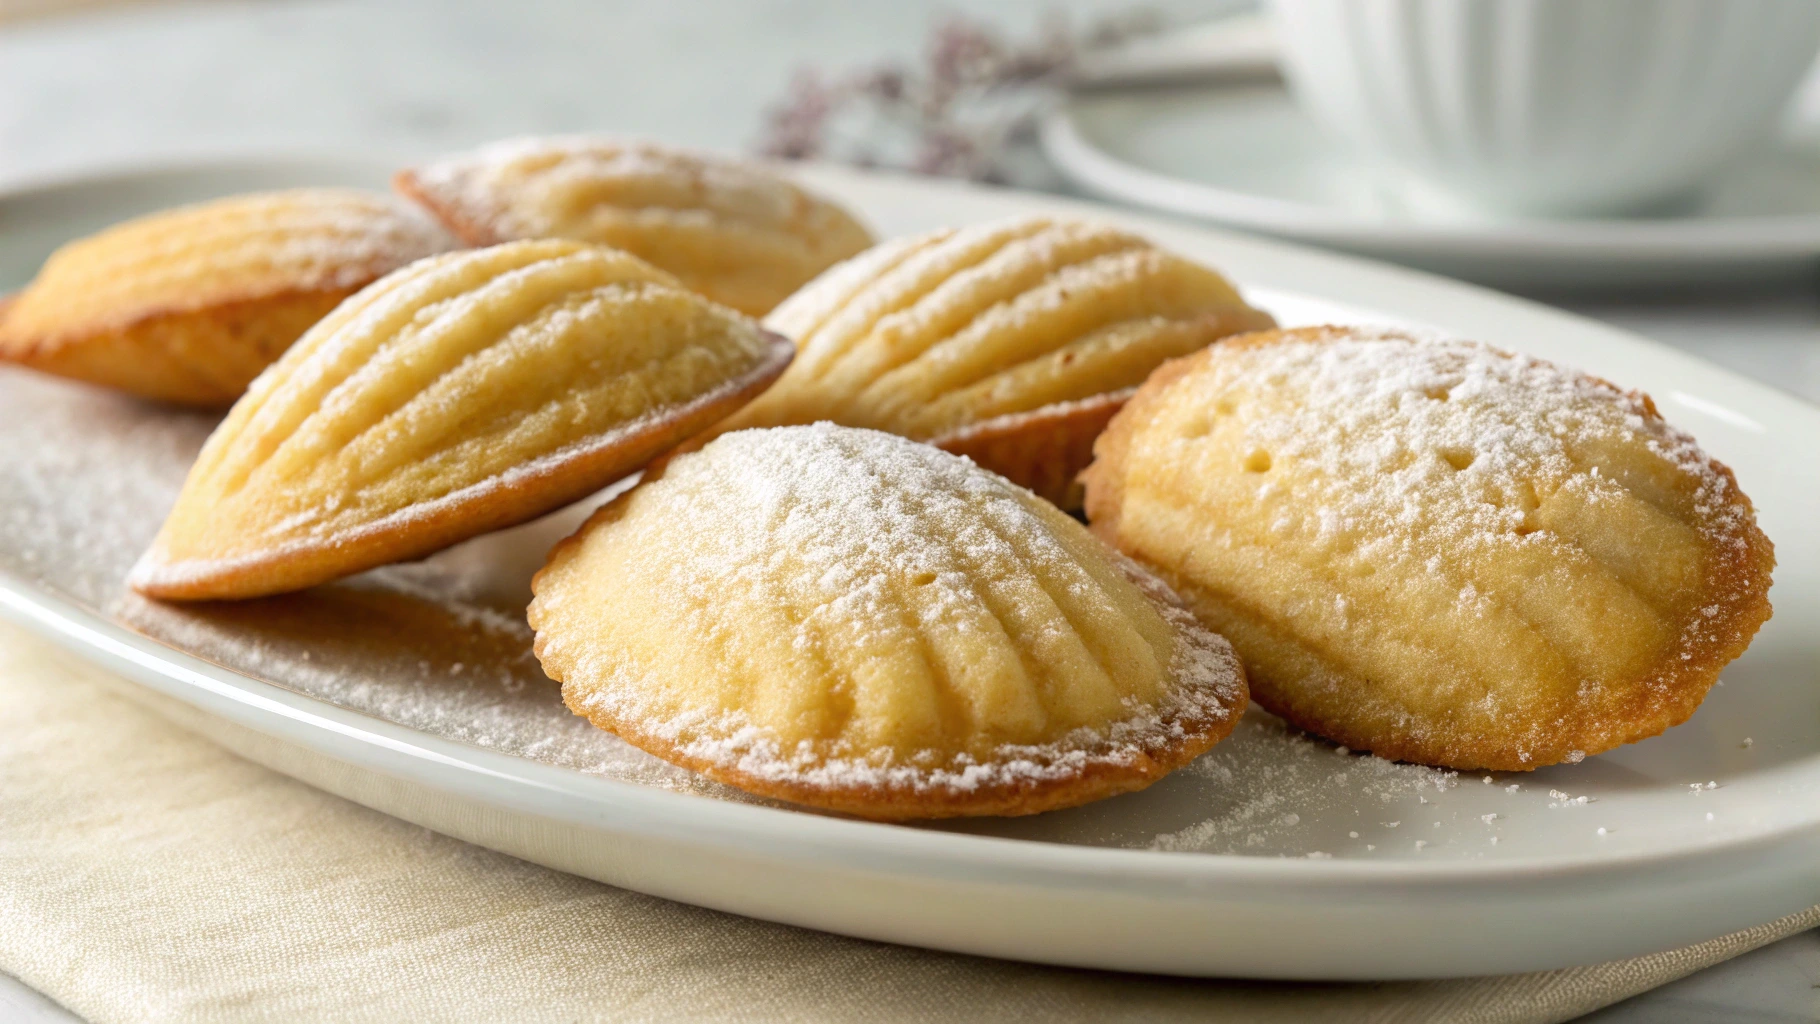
{"x":1043,"y":449}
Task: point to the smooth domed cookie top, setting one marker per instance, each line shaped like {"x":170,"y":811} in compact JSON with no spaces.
{"x":1435,"y":549}
{"x":848,"y":618}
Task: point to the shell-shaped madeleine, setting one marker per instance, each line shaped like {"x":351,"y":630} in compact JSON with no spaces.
{"x":930,"y":337}
{"x":190,"y":304}
{"x":1436,"y":550}
{"x":734,"y":231}
{"x":465,"y":393}
{"x":859,"y":622}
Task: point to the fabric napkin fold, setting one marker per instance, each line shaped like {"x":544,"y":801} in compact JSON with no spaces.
{"x":146,"y":874}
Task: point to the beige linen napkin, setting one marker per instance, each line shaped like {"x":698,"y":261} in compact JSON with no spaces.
{"x":148,"y":875}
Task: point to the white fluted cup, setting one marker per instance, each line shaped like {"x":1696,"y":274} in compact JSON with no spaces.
{"x":1550,"y":107}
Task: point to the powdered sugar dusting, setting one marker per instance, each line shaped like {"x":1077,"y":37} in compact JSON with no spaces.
{"x":1503,"y":488}
{"x":85,"y":477}
{"x":854,"y":511}
{"x":76,"y":513}
{"x":1278,"y":784}
{"x":1406,"y":411}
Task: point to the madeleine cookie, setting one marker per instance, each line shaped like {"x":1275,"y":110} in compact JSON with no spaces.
{"x":733,"y":231}
{"x":190,"y":304}
{"x":1010,"y":342}
{"x":1436,"y":550}
{"x":858,"y":622}
{"x":465,"y":393}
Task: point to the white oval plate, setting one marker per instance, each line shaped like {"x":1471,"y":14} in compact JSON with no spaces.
{"x":1246,"y":157}
{"x":1275,"y":856}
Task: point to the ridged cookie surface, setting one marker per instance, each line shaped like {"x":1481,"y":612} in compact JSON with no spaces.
{"x":855,"y":621}
{"x":465,"y":393}
{"x":188,"y":305}
{"x":733,"y":231}
{"x":1003,"y":330}
{"x":1436,"y":550}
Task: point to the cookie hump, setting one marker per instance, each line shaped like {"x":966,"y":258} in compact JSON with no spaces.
{"x":850,"y":620}
{"x":190,"y":304}
{"x":734,"y":231}
{"x":465,"y":393}
{"x":1436,"y":550}
{"x":1010,"y":342}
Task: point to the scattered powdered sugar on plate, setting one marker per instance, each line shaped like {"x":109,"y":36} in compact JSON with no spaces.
{"x":1274,"y":780}
{"x":85,"y":481}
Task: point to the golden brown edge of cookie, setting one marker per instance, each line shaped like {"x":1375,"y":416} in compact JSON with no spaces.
{"x":447,"y":212}
{"x":907,"y":803}
{"x":1655,"y":704}
{"x":1102,"y":487}
{"x":1043,"y":449}
{"x":564,"y":476}
{"x":55,"y":353}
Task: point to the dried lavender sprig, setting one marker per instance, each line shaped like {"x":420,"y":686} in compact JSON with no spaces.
{"x":973,"y":98}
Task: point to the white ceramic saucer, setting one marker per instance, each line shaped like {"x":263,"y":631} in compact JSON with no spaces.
{"x":1246,"y":157}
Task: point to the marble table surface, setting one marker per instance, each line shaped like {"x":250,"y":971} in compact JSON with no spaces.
{"x":120,"y":85}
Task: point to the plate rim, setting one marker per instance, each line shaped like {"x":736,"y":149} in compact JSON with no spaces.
{"x":213,"y":688}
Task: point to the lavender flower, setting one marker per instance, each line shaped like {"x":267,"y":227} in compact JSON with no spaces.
{"x":965,"y":111}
